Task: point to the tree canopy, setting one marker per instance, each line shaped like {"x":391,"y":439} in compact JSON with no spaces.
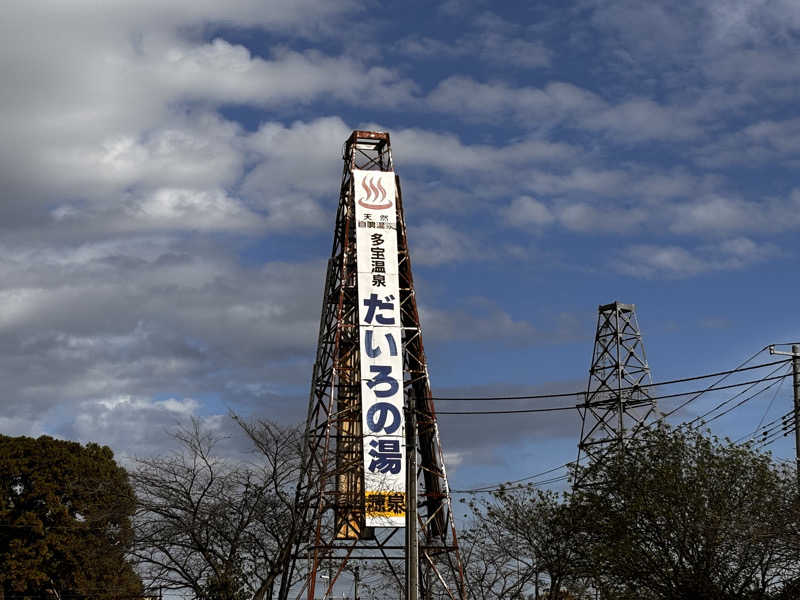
{"x":680,"y":515}
{"x":65,"y":526}
{"x":675,"y":515}
{"x":217,"y":526}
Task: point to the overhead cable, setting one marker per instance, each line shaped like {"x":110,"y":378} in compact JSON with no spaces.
{"x":625,"y":389}
{"x":787,"y":424}
{"x":574,"y":407}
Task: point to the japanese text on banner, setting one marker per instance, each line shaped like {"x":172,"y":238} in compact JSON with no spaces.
{"x":381,"y":348}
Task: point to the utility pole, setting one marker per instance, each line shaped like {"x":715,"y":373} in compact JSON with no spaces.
{"x":412,"y":542}
{"x":355,"y":582}
{"x":796,"y":378}
{"x":795,"y":354}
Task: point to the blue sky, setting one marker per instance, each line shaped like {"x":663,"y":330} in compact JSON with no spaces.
{"x":169,"y":179}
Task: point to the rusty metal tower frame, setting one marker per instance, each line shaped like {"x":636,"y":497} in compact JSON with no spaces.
{"x":330,"y":520}
{"x":616,"y":406}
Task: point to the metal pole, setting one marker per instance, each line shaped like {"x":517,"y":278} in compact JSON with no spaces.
{"x":795,"y":354}
{"x":796,"y":377}
{"x":330,"y":579}
{"x":620,"y":403}
{"x":412,"y":544}
{"x":355,"y":583}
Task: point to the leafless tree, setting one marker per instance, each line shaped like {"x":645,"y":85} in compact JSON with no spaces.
{"x":522,"y":544}
{"x":217,"y":526}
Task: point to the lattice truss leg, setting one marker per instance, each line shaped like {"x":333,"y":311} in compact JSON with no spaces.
{"x":616,"y":406}
{"x":330,"y":495}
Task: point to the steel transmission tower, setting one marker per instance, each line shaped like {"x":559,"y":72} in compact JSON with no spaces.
{"x":616,"y":406}
{"x":401,"y":521}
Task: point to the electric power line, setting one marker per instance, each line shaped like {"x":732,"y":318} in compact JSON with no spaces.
{"x":776,"y":380}
{"x":765,"y":429}
{"x":788,"y":426}
{"x":769,"y":406}
{"x":625,"y":389}
{"x":665,"y":396}
{"x":737,"y":405}
{"x":510,"y":485}
{"x":713,"y":385}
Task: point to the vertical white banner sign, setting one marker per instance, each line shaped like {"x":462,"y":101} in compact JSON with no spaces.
{"x":381,"y":348}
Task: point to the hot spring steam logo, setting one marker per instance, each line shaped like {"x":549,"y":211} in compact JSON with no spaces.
{"x":375,"y":193}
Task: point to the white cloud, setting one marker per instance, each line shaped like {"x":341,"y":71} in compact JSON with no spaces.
{"x":742,"y":43}
{"x":295,"y":165}
{"x":492,"y":101}
{"x":479,"y":320}
{"x":223,"y":72}
{"x":718,"y":213}
{"x":138,"y":318}
{"x":641,"y":119}
{"x":740,"y":22}
{"x":581,"y":216}
{"x":490,"y":46}
{"x":453,"y":459}
{"x":165,"y":209}
{"x":132,"y":424}
{"x":674,"y":262}
{"x":193,"y":209}
{"x":128,"y":203}
{"x":445,"y":151}
{"x":769,"y":141}
{"x":121,"y":102}
{"x":201,"y":150}
{"x":438,"y":243}
{"x":525,"y":210}
{"x":630,"y":120}
{"x":291,"y":175}
{"x":606,"y":182}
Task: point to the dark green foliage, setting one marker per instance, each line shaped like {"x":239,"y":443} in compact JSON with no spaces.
{"x":676,"y":515}
{"x":682,"y":516}
{"x":64,"y":521}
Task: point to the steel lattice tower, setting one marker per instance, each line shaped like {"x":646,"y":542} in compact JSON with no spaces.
{"x":616,"y":406}
{"x":330,"y":495}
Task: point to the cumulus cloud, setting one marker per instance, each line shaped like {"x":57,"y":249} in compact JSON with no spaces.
{"x":718,"y":213}
{"x":445,"y":151}
{"x":764,"y":142}
{"x":480,"y":319}
{"x":223,"y":72}
{"x":137,"y":426}
{"x":632,"y":120}
{"x":439,"y":171}
{"x":164,"y":209}
{"x":116,"y":102}
{"x":641,"y":119}
{"x":670,"y":261}
{"x":139,"y":319}
{"x":490,"y":101}
{"x":491,"y":38}
{"x":636,"y":200}
{"x":437,"y":243}
{"x":581,"y":216}
{"x":741,"y":43}
{"x":138,"y":215}
{"x":525,"y":210}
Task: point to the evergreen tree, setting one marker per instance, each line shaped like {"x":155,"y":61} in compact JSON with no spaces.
{"x":65,"y":526}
